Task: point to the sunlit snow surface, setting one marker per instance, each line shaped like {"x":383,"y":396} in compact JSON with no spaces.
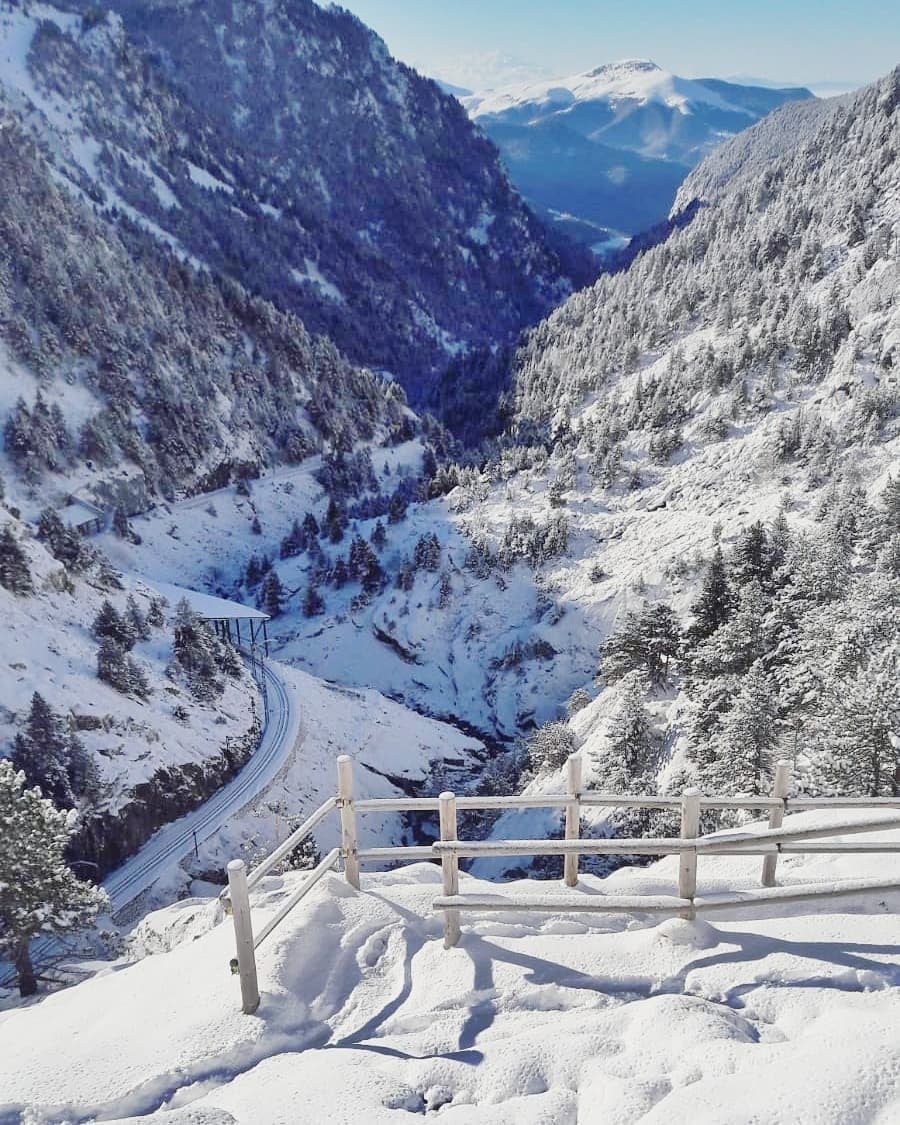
{"x":366,"y":1018}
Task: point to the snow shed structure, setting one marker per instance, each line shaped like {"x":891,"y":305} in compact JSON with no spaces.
{"x":81,"y":516}
{"x":242,"y":625}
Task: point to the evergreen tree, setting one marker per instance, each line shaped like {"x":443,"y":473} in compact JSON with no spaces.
{"x":714,"y":605}
{"x":310,"y":527}
{"x":156,"y":614}
{"x":335,"y":520}
{"x":253,"y":572}
{"x":200,"y":655}
{"x":136,"y":621}
{"x":629,"y":749}
{"x":313,"y":605}
{"x":38,"y":892}
{"x":550,"y":747}
{"x":373,"y":577}
{"x":271,"y":595}
{"x":340,"y":575}
{"x":110,"y":623}
{"x":890,"y":498}
{"x":751,"y":560}
{"x":747,"y":747}
{"x":116,"y":668}
{"x":647,"y":640}
{"x":294,"y":543}
{"x":15,"y":574}
{"x":427,"y":555}
{"x":858,"y":748}
{"x":379,"y":536}
{"x":65,"y":544}
{"x":42,"y":752}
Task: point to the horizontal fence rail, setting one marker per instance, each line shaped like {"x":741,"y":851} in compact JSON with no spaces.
{"x":689,"y":846}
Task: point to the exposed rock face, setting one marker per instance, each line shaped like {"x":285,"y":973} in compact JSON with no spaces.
{"x":109,"y":839}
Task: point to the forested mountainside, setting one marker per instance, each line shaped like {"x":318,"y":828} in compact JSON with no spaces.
{"x":734,"y":391}
{"x":282,"y":146}
{"x":123,"y":369}
{"x":608,"y":149}
{"x":720,"y":425}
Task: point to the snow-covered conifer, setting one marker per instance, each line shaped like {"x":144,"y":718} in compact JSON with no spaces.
{"x":38,"y":892}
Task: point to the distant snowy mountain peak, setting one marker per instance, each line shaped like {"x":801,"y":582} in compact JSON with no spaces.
{"x":608,"y":148}
{"x":638,"y":81}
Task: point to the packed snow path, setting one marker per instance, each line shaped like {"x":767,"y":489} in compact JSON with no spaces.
{"x":173,"y":842}
{"x":775,"y":1016}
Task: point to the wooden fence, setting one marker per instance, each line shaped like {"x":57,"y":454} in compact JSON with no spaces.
{"x":689,"y":846}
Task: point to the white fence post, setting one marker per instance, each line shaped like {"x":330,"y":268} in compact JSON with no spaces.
{"x":776,"y":818}
{"x":690,"y":829}
{"x":243,"y":934}
{"x":573,"y":818}
{"x":449,"y":869}
{"x":348,"y":820}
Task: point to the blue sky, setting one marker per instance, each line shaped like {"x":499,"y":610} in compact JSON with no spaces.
{"x":798,"y":41}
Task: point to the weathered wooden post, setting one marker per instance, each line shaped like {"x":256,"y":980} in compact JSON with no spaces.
{"x":349,"y":848}
{"x":245,"y":962}
{"x":573,"y":818}
{"x":780,"y":789}
{"x":690,"y":829}
{"x":449,"y":868}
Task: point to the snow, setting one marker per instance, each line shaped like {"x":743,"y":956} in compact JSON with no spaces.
{"x":46,"y":647}
{"x":207,"y":180}
{"x":532,"y":1018}
{"x":315,"y":276}
{"x":628,"y":80}
{"x":479,"y":231}
{"x":208,"y":607}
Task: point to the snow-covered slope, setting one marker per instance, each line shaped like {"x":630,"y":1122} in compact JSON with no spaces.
{"x":616,"y":100}
{"x":611,"y":146}
{"x":776,"y":1016}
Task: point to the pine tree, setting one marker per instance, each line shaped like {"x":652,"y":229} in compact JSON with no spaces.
{"x":253,"y":572}
{"x":42,"y":752}
{"x":373,"y":577}
{"x":335,"y":520}
{"x":379,"y":536}
{"x":550,"y":747}
{"x":313,"y":605}
{"x":294,"y":543}
{"x":116,"y":668}
{"x":746,"y":750}
{"x":38,"y":892}
{"x":751,"y":560}
{"x":890,"y":498}
{"x":65,"y":544}
{"x":427,"y":555}
{"x":110,"y":623}
{"x":15,"y":574}
{"x":858,"y":751}
{"x":135,"y":620}
{"x":630,"y":748}
{"x":156,"y":614}
{"x":714,"y":605}
{"x":647,"y":640}
{"x":271,"y":595}
{"x":310,"y":527}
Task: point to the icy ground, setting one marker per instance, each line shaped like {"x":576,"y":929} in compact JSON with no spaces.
{"x":767,"y":1017}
